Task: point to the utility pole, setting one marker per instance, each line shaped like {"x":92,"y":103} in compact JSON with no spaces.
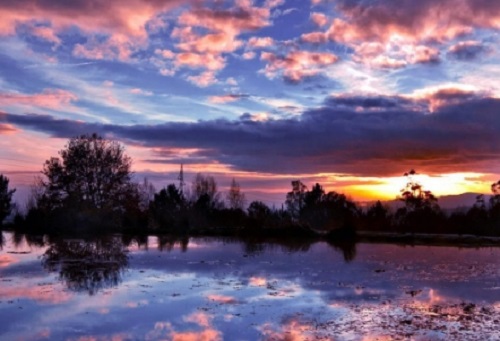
{"x":181,"y":179}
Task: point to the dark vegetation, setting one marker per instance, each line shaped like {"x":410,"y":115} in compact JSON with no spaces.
{"x":89,"y":189}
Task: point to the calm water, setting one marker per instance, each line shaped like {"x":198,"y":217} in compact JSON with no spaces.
{"x":212,"y":289}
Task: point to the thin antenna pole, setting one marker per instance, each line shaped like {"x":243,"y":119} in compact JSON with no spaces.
{"x":181,"y":179}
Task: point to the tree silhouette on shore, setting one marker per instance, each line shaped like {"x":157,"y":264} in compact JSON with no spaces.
{"x":5,"y":198}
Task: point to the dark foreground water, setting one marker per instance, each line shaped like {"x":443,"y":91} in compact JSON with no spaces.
{"x":210,"y":289}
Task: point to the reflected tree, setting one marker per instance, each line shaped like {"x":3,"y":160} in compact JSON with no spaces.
{"x":87,"y":266}
{"x":168,"y":242}
{"x":346,"y":247}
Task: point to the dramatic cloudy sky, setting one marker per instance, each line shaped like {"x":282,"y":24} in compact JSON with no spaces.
{"x":350,"y":93}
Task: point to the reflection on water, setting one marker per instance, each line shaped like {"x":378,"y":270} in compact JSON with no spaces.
{"x":87,"y":266}
{"x":168,"y":288}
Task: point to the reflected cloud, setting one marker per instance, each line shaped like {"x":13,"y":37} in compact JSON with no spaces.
{"x":165,"y":330}
{"x":257,"y":281}
{"x":41,"y":293}
{"x":200,"y":318}
{"x":7,"y":260}
{"x":292,"y":330}
{"x":223,"y":299}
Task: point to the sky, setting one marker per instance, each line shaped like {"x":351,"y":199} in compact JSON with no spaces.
{"x":347,"y":93}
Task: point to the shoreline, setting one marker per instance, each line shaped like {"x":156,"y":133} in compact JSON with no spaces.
{"x":428,"y":239}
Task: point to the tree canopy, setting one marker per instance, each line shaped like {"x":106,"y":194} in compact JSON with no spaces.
{"x":5,"y":198}
{"x":91,"y":171}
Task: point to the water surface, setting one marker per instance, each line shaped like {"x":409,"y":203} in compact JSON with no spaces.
{"x":121,"y":288}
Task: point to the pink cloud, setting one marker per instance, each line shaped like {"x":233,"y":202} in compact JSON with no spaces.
{"x":113,"y":48}
{"x":243,"y":17}
{"x":46,"y":33}
{"x":412,"y":34}
{"x":126,"y":18}
{"x":260,"y":42}
{"x":314,"y":37}
{"x":226,"y":98}
{"x":137,"y":91}
{"x":204,"y":79}
{"x":167,"y":54}
{"x":221,"y":28}
{"x":7,"y":129}
{"x":447,"y":95}
{"x":423,"y":54}
{"x":319,"y":19}
{"x":394,"y":55}
{"x":297,"y":65}
{"x":248,"y":55}
{"x":208,"y":61}
{"x":123,"y":24}
{"x":428,"y":20}
{"x":216,"y":43}
{"x":49,"y":98}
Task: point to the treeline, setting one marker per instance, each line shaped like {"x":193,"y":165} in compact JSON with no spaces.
{"x":89,"y":188}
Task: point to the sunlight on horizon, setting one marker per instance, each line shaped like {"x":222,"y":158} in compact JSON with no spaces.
{"x":440,"y":185}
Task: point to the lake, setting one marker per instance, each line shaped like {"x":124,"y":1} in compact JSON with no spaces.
{"x":163,"y":288}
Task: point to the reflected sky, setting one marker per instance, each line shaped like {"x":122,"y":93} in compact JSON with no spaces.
{"x":165,"y":288}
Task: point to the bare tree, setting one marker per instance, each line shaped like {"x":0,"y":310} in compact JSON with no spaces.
{"x":204,"y":188}
{"x":235,"y":198}
{"x":146,"y":192}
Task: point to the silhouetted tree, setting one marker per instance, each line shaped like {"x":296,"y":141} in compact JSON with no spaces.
{"x":378,"y":217}
{"x":166,"y":208}
{"x":5,"y":198}
{"x":421,"y":212}
{"x":258,"y":213}
{"x":415,"y":197}
{"x":476,"y":218}
{"x":327,"y":211}
{"x":147,"y":193}
{"x":205,"y":193}
{"x":295,"y":199}
{"x":235,"y":198}
{"x":494,"y":212}
{"x":91,"y":172}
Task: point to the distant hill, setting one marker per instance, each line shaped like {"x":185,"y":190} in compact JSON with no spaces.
{"x":459,"y":200}
{"x":446,"y":202}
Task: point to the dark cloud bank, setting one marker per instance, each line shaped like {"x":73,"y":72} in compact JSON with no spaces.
{"x":357,"y":135}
